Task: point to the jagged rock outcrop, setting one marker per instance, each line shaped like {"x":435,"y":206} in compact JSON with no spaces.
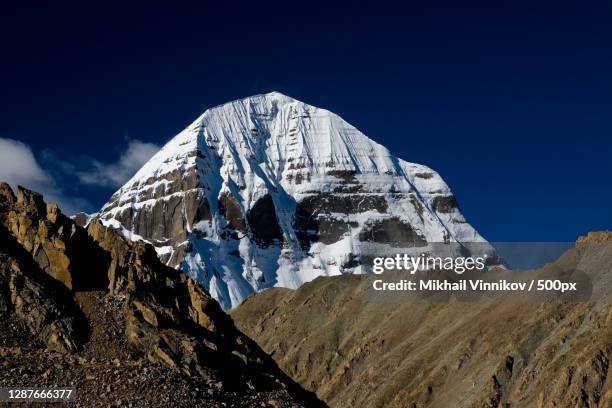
{"x":169,"y":316}
{"x":269,"y":191}
{"x":50,"y":267}
{"x":358,"y":349}
{"x":32,"y":297}
{"x":56,"y":243}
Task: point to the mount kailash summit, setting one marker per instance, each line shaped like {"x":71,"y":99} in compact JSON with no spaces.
{"x":270,"y":191}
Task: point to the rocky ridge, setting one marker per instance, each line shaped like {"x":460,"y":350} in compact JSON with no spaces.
{"x":358,"y":350}
{"x":94,"y":303}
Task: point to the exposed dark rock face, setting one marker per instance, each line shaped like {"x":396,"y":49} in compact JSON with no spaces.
{"x":347,"y":175}
{"x":263,"y":222}
{"x":445,"y":204}
{"x":392,"y":231}
{"x":312,"y":228}
{"x":162,"y":186}
{"x":316,"y":216}
{"x":331,"y":230}
{"x":177,"y":204}
{"x":418,"y":206}
{"x":164,"y":219}
{"x":165,"y":222}
{"x":352,"y":262}
{"x":230,"y":209}
{"x":51,"y":264}
{"x":197,"y":207}
{"x":329,"y":203}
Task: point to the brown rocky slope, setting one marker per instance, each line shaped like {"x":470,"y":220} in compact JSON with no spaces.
{"x":92,"y":310}
{"x":360,"y":351}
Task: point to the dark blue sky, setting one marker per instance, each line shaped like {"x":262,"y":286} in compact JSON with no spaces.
{"x":510,"y":101}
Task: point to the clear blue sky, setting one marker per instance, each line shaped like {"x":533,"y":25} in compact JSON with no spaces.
{"x":510,"y":101}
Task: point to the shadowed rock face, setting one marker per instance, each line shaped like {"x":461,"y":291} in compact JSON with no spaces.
{"x":263,"y":222}
{"x":357,"y":350}
{"x":322,"y":217}
{"x":445,"y":204}
{"x":166,"y":220}
{"x":392,"y":231}
{"x":197,"y":207}
{"x":49,"y":261}
{"x":231,"y":211}
{"x":328,"y":203}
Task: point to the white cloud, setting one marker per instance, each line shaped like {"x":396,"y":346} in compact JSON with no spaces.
{"x":18,"y":166}
{"x":61,"y":181}
{"x":116,"y":174}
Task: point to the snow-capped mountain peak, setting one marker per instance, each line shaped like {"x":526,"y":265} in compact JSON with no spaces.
{"x":269,"y":191}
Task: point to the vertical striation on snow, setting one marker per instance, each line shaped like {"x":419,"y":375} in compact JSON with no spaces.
{"x":269,"y":191}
